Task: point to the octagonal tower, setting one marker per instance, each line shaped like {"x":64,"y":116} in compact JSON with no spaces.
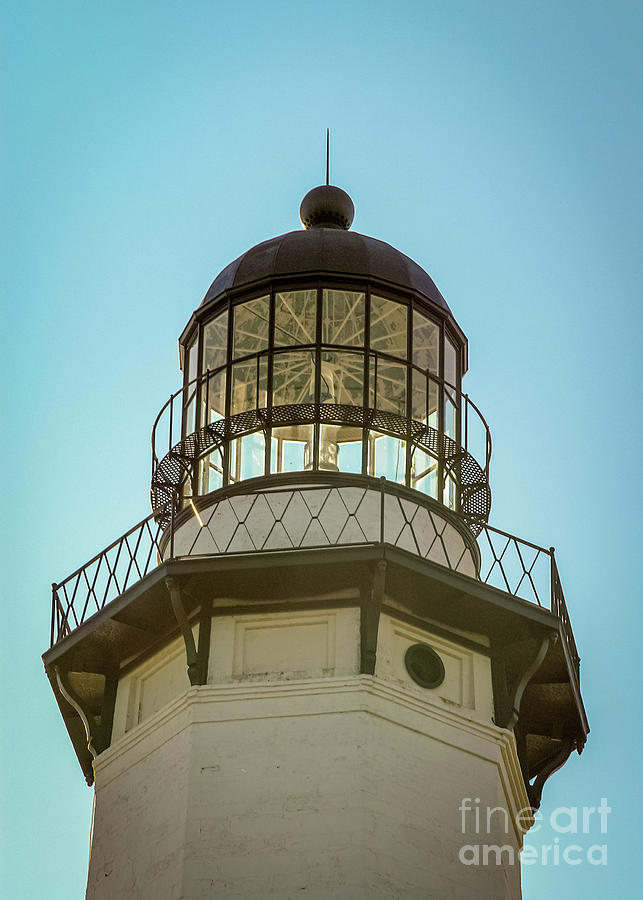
{"x":315,"y":658}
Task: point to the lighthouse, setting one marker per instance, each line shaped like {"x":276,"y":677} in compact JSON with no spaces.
{"x":315,"y":669}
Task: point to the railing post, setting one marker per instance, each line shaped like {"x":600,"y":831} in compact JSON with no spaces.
{"x":169,"y":439}
{"x":174,"y":498}
{"x":54,"y":609}
{"x":441,"y":444}
{"x":206,"y":410}
{"x":382,"y":483}
{"x":553,"y":598}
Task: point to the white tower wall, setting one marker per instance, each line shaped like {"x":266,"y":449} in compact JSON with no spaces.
{"x":289,"y":774}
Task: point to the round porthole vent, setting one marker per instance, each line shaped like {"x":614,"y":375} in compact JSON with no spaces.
{"x":424,"y":666}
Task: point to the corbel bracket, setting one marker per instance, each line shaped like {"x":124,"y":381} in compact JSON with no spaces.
{"x":509,"y":696}
{"x":371,"y":605}
{"x":535,"y":790}
{"x":93,"y":728}
{"x":195,"y":673}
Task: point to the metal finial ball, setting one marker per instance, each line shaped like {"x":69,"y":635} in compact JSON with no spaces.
{"x":327,"y":206}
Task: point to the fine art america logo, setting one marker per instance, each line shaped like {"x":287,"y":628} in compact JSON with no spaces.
{"x":575,"y":830}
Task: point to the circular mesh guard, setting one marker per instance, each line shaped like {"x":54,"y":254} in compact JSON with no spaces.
{"x":177,"y":465}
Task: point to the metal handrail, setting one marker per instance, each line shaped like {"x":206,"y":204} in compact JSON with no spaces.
{"x":102,"y":578}
{"x":516,"y":566}
{"x":559,"y":608}
{"x":451,"y":451}
{"x":192,"y":387}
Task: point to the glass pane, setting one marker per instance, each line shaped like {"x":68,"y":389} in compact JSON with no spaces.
{"x":449,"y":418}
{"x":426,"y":343}
{"x":249,"y":386}
{"x":388,"y":326}
{"x":192,"y":356}
{"x":248,"y":458}
{"x":210,"y":472}
{"x":189,"y":416}
{"x":295,"y":317}
{"x":387,"y":457}
{"x":342,"y":378}
{"x":213,"y":398}
{"x":340,"y":448}
{"x":233,"y":461}
{"x":343,"y":318}
{"x":293,"y":378}
{"x":419,"y":410}
{"x":434,"y":392}
{"x":449,"y":498}
{"x":424,"y":473}
{"x":387,"y":388}
{"x":291,"y":448}
{"x":189,"y":394}
{"x":215,"y":342}
{"x":450,"y":370}
{"x":419,"y":406}
{"x":450,"y":396}
{"x":251,"y":327}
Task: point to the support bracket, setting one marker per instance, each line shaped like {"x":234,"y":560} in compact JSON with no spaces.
{"x":508,"y":697}
{"x":371,"y":605}
{"x":195,"y":673}
{"x":535,"y":790}
{"x":93,"y":728}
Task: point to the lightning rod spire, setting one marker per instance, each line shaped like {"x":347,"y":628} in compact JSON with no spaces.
{"x":328,"y":156}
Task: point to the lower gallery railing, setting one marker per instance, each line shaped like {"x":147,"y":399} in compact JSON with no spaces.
{"x":308,"y":517}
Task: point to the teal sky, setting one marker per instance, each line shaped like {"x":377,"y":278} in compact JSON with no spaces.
{"x":146,"y":144}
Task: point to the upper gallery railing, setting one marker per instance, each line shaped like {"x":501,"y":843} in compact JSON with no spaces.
{"x":453,"y":447}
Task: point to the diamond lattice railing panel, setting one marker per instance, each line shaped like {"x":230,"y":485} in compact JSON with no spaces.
{"x":423,"y":529}
{"x":260,"y":522}
{"x":324,"y":516}
{"x":241,"y":541}
{"x":105,"y":577}
{"x":354,"y":497}
{"x":314,"y":536}
{"x":437,"y":553}
{"x":406,"y":540}
{"x":315,"y":499}
{"x":296,"y":518}
{"x":306,"y":517}
{"x":454,"y":546}
{"x":204,"y":543}
{"x":278,"y":538}
{"x":366,"y":511}
{"x":332,"y":516}
{"x":222,"y":523}
{"x":393,"y":519}
{"x":515,"y":566}
{"x":352,"y":532}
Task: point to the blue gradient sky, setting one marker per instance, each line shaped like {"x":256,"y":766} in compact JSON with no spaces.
{"x":146,"y":144}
